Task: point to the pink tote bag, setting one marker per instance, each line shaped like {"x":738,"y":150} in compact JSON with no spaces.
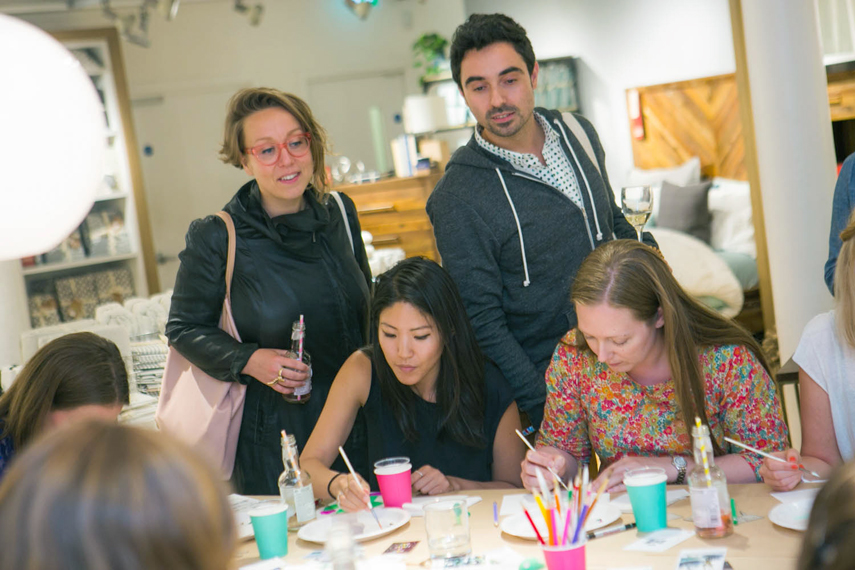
{"x":200,"y":410}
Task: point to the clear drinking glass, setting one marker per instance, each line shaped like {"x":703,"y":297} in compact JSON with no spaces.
{"x":447,"y":526}
{"x":637,"y":205}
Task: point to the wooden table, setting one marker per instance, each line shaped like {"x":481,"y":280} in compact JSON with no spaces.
{"x":753,"y":546}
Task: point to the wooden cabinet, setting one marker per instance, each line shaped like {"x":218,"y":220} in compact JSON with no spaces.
{"x":841,"y":99}
{"x":394,"y":212}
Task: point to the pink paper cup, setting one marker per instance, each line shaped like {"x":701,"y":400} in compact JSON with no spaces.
{"x":394,"y":478}
{"x":569,"y":557}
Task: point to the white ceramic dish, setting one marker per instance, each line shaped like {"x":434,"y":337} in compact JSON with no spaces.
{"x":416,"y":508}
{"x":792,"y":515}
{"x":518,"y":525}
{"x":390,"y":519}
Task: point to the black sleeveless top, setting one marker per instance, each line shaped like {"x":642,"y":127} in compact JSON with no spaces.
{"x":385,"y":438}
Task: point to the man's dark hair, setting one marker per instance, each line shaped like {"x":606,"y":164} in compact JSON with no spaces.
{"x":482,"y":30}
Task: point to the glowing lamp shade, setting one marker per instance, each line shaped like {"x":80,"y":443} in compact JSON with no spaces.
{"x":52,"y":141}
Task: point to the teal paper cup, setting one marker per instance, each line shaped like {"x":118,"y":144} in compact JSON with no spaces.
{"x":270,"y":524}
{"x":646,"y":489}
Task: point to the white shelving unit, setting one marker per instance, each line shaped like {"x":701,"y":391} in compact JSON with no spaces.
{"x":110,"y":257}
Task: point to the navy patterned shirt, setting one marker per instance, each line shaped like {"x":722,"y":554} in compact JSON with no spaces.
{"x":557,"y":172}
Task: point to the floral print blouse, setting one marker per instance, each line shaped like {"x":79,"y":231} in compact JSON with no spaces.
{"x":591,"y":408}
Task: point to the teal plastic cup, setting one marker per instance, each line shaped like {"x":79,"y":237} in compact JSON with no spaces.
{"x":270,"y":524}
{"x":646,"y":489}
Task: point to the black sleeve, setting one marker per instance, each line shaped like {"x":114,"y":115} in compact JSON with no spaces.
{"x":197,"y":303}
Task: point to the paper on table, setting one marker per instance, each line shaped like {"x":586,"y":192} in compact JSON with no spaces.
{"x":416,"y":507}
{"x":671,"y":497}
{"x":619,"y":568}
{"x":661,"y":540}
{"x":513,"y":504}
{"x":271,"y":564}
{"x":796,"y":496}
{"x":706,"y":558}
{"x":241,"y":506}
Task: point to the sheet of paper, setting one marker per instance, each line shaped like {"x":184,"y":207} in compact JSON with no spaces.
{"x":416,"y":507}
{"x":661,"y":540}
{"x":702,"y":559}
{"x":512,"y":504}
{"x":272,"y":564}
{"x":241,"y":506}
{"x":671,"y":497}
{"x":796,"y":496}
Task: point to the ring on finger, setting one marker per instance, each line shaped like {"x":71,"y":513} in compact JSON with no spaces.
{"x":420,"y":473}
{"x":274,"y":381}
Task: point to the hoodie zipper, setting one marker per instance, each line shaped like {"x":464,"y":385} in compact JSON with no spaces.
{"x":584,"y":213}
{"x":585,"y":178}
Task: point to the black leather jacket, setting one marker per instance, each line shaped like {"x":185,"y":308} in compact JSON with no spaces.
{"x":286,"y":266}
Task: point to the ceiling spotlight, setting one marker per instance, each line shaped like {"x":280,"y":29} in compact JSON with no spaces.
{"x":254,"y":13}
{"x":360,"y":7}
{"x":169,"y":8}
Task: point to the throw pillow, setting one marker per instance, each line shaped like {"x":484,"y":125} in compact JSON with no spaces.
{"x":685,"y":209}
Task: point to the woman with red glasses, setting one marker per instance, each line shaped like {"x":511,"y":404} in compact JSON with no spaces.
{"x":294,"y":257}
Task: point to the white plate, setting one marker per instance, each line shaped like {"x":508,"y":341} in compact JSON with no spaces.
{"x":518,"y":525}
{"x":416,"y":508}
{"x":792,"y":515}
{"x":390,"y":519}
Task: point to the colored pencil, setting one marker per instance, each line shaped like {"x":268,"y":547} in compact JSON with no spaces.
{"x":534,"y":527}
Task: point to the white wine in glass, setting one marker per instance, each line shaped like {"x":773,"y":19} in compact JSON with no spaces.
{"x":637,"y":205}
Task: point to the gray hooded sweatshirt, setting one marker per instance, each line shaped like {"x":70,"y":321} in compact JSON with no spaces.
{"x":513,"y":245}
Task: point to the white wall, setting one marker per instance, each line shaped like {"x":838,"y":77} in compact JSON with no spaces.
{"x":624,"y":44}
{"x":180,"y":85}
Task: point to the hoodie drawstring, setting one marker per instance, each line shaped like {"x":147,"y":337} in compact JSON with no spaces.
{"x":526,"y":282}
{"x":585,"y":178}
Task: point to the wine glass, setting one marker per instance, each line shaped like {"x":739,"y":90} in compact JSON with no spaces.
{"x":637,"y":205}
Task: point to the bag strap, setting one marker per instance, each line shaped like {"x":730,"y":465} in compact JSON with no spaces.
{"x":579,"y":132}
{"x":230,"y":260}
{"x":340,"y":203}
{"x":227,"y":319}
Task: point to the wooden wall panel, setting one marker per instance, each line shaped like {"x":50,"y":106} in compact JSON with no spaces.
{"x":699,"y":118}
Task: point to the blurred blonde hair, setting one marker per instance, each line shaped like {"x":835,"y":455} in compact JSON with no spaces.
{"x":829,"y":542}
{"x":253,"y":99}
{"x":844,"y":285}
{"x":101,"y":496}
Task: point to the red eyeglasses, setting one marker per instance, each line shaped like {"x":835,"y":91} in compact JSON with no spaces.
{"x":268,"y":153}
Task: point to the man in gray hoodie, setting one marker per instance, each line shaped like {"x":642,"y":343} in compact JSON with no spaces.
{"x":519,"y":207}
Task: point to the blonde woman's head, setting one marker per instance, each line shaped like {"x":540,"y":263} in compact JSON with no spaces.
{"x":251,"y":100}
{"x":101,"y":496}
{"x":829,"y":542}
{"x":844,"y":284}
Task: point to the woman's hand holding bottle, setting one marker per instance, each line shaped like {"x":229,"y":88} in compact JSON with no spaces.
{"x":274,"y":368}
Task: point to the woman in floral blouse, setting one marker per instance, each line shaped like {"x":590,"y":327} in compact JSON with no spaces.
{"x":644,"y":361}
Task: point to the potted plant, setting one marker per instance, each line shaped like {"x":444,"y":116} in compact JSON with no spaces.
{"x":429,"y":52}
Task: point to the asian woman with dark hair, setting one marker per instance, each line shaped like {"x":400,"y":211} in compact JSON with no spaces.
{"x":427,"y":392}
